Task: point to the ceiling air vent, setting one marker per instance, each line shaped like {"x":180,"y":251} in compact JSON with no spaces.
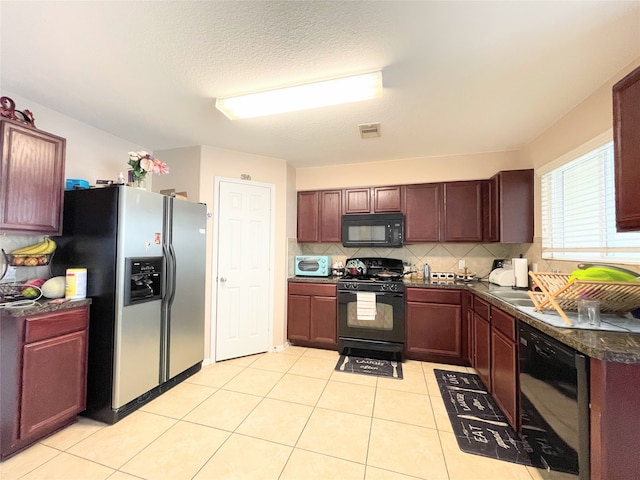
{"x":369,"y":130}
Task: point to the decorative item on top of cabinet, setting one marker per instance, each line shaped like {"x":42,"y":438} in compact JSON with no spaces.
{"x":8,"y":110}
{"x":626,"y":142}
{"x":372,"y":199}
{"x":463,"y":211}
{"x":44,"y":374}
{"x":508,"y":217}
{"x":33,"y":161}
{"x":320,"y":216}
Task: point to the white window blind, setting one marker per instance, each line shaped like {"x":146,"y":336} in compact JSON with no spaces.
{"x":578,"y":212}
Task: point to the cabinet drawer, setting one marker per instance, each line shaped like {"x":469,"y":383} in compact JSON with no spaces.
{"x":312,"y":289}
{"x":55,"y":324}
{"x":481,"y":307}
{"x":431,"y":295}
{"x":504,"y":323}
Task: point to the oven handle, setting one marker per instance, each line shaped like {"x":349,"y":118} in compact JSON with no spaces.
{"x":381,"y":294}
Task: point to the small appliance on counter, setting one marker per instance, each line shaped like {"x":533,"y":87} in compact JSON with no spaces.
{"x":313,"y":265}
{"x":503,"y":277}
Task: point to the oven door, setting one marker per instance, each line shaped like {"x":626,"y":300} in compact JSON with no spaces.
{"x":388,"y":325}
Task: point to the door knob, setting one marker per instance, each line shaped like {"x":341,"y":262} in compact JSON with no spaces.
{"x":222,"y":279}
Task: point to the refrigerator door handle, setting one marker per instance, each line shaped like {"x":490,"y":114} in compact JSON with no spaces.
{"x":171,"y":276}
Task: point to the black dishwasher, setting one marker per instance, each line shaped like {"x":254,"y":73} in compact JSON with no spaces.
{"x":554,"y":402}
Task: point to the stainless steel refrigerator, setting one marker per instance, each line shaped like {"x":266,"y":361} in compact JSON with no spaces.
{"x":145,"y":259}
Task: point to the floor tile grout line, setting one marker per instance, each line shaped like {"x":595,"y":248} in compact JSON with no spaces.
{"x":306,"y":423}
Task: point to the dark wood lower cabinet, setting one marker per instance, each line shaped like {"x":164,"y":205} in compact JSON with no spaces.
{"x":434,"y":327}
{"x":44,"y":375}
{"x":482,"y":348}
{"x":312,"y":315}
{"x":504,"y":375}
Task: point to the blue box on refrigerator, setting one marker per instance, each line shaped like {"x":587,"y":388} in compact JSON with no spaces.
{"x":76,"y":183}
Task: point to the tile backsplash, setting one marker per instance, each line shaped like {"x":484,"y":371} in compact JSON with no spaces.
{"x":443,"y":257}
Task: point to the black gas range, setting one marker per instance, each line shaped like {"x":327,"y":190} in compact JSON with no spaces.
{"x":371,"y":308}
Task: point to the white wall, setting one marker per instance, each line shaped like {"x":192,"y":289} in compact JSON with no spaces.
{"x":217,"y":162}
{"x":184,"y":171}
{"x":415,"y":170}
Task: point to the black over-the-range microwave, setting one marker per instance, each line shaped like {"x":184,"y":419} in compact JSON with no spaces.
{"x":373,"y":230}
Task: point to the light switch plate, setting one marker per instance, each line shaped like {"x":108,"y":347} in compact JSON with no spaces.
{"x":461,"y":264}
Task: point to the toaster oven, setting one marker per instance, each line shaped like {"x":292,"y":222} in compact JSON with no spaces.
{"x":313,"y":265}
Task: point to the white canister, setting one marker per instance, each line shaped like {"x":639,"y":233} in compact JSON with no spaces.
{"x":76,"y":283}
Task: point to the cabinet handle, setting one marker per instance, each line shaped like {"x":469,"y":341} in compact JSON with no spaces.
{"x":222,"y":280}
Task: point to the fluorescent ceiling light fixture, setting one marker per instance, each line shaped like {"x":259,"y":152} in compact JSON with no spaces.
{"x":302,"y":97}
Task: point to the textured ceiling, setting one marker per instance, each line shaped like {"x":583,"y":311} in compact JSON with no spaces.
{"x":459,"y":77}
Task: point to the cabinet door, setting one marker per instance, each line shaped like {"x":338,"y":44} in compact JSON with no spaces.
{"x":308,"y":219}
{"x":463,"y":211}
{"x":299,"y":318}
{"x":53,"y":382}
{"x":422,"y":209}
{"x":433,"y":330}
{"x":324,"y":321}
{"x":504,"y":375}
{"x":626,"y":137}
{"x":357,"y":200}
{"x":331,"y":216}
{"x":387,"y":199}
{"x":509,"y":213}
{"x":482,"y":349}
{"x":31,"y":180}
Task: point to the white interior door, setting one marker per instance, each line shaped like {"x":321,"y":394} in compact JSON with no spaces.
{"x":244,"y":306}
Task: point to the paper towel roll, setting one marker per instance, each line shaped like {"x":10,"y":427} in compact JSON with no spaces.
{"x":520,"y":272}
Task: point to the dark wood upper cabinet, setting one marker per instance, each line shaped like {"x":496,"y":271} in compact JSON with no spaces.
{"x":320,"y":216}
{"x":422,"y":210}
{"x":357,"y":200}
{"x":387,"y":199}
{"x":308,"y":217}
{"x":508,"y":217}
{"x":331,"y":216}
{"x":626,"y":138}
{"x":463,"y":211}
{"x":31,"y":179}
{"x":372,"y":199}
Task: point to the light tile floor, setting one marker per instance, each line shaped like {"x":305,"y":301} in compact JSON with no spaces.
{"x":285,"y":416}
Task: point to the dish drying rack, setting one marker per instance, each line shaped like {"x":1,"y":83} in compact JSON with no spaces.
{"x":560,"y":293}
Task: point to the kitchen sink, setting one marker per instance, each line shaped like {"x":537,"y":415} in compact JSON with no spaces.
{"x":510,"y":294}
{"x":521,"y":302}
{"x":517,"y":298}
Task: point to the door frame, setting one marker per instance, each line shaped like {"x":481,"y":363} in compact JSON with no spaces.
{"x":215,"y":255}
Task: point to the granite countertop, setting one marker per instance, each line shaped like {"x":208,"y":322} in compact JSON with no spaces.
{"x":621,"y":347}
{"x":43,"y":306}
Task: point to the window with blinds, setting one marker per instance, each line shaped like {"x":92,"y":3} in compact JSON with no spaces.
{"x":578,"y":212}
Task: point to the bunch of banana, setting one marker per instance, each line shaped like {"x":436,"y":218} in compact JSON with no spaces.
{"x":45,"y":247}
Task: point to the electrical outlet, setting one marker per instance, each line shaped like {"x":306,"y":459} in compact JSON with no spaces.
{"x":461,"y":264}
